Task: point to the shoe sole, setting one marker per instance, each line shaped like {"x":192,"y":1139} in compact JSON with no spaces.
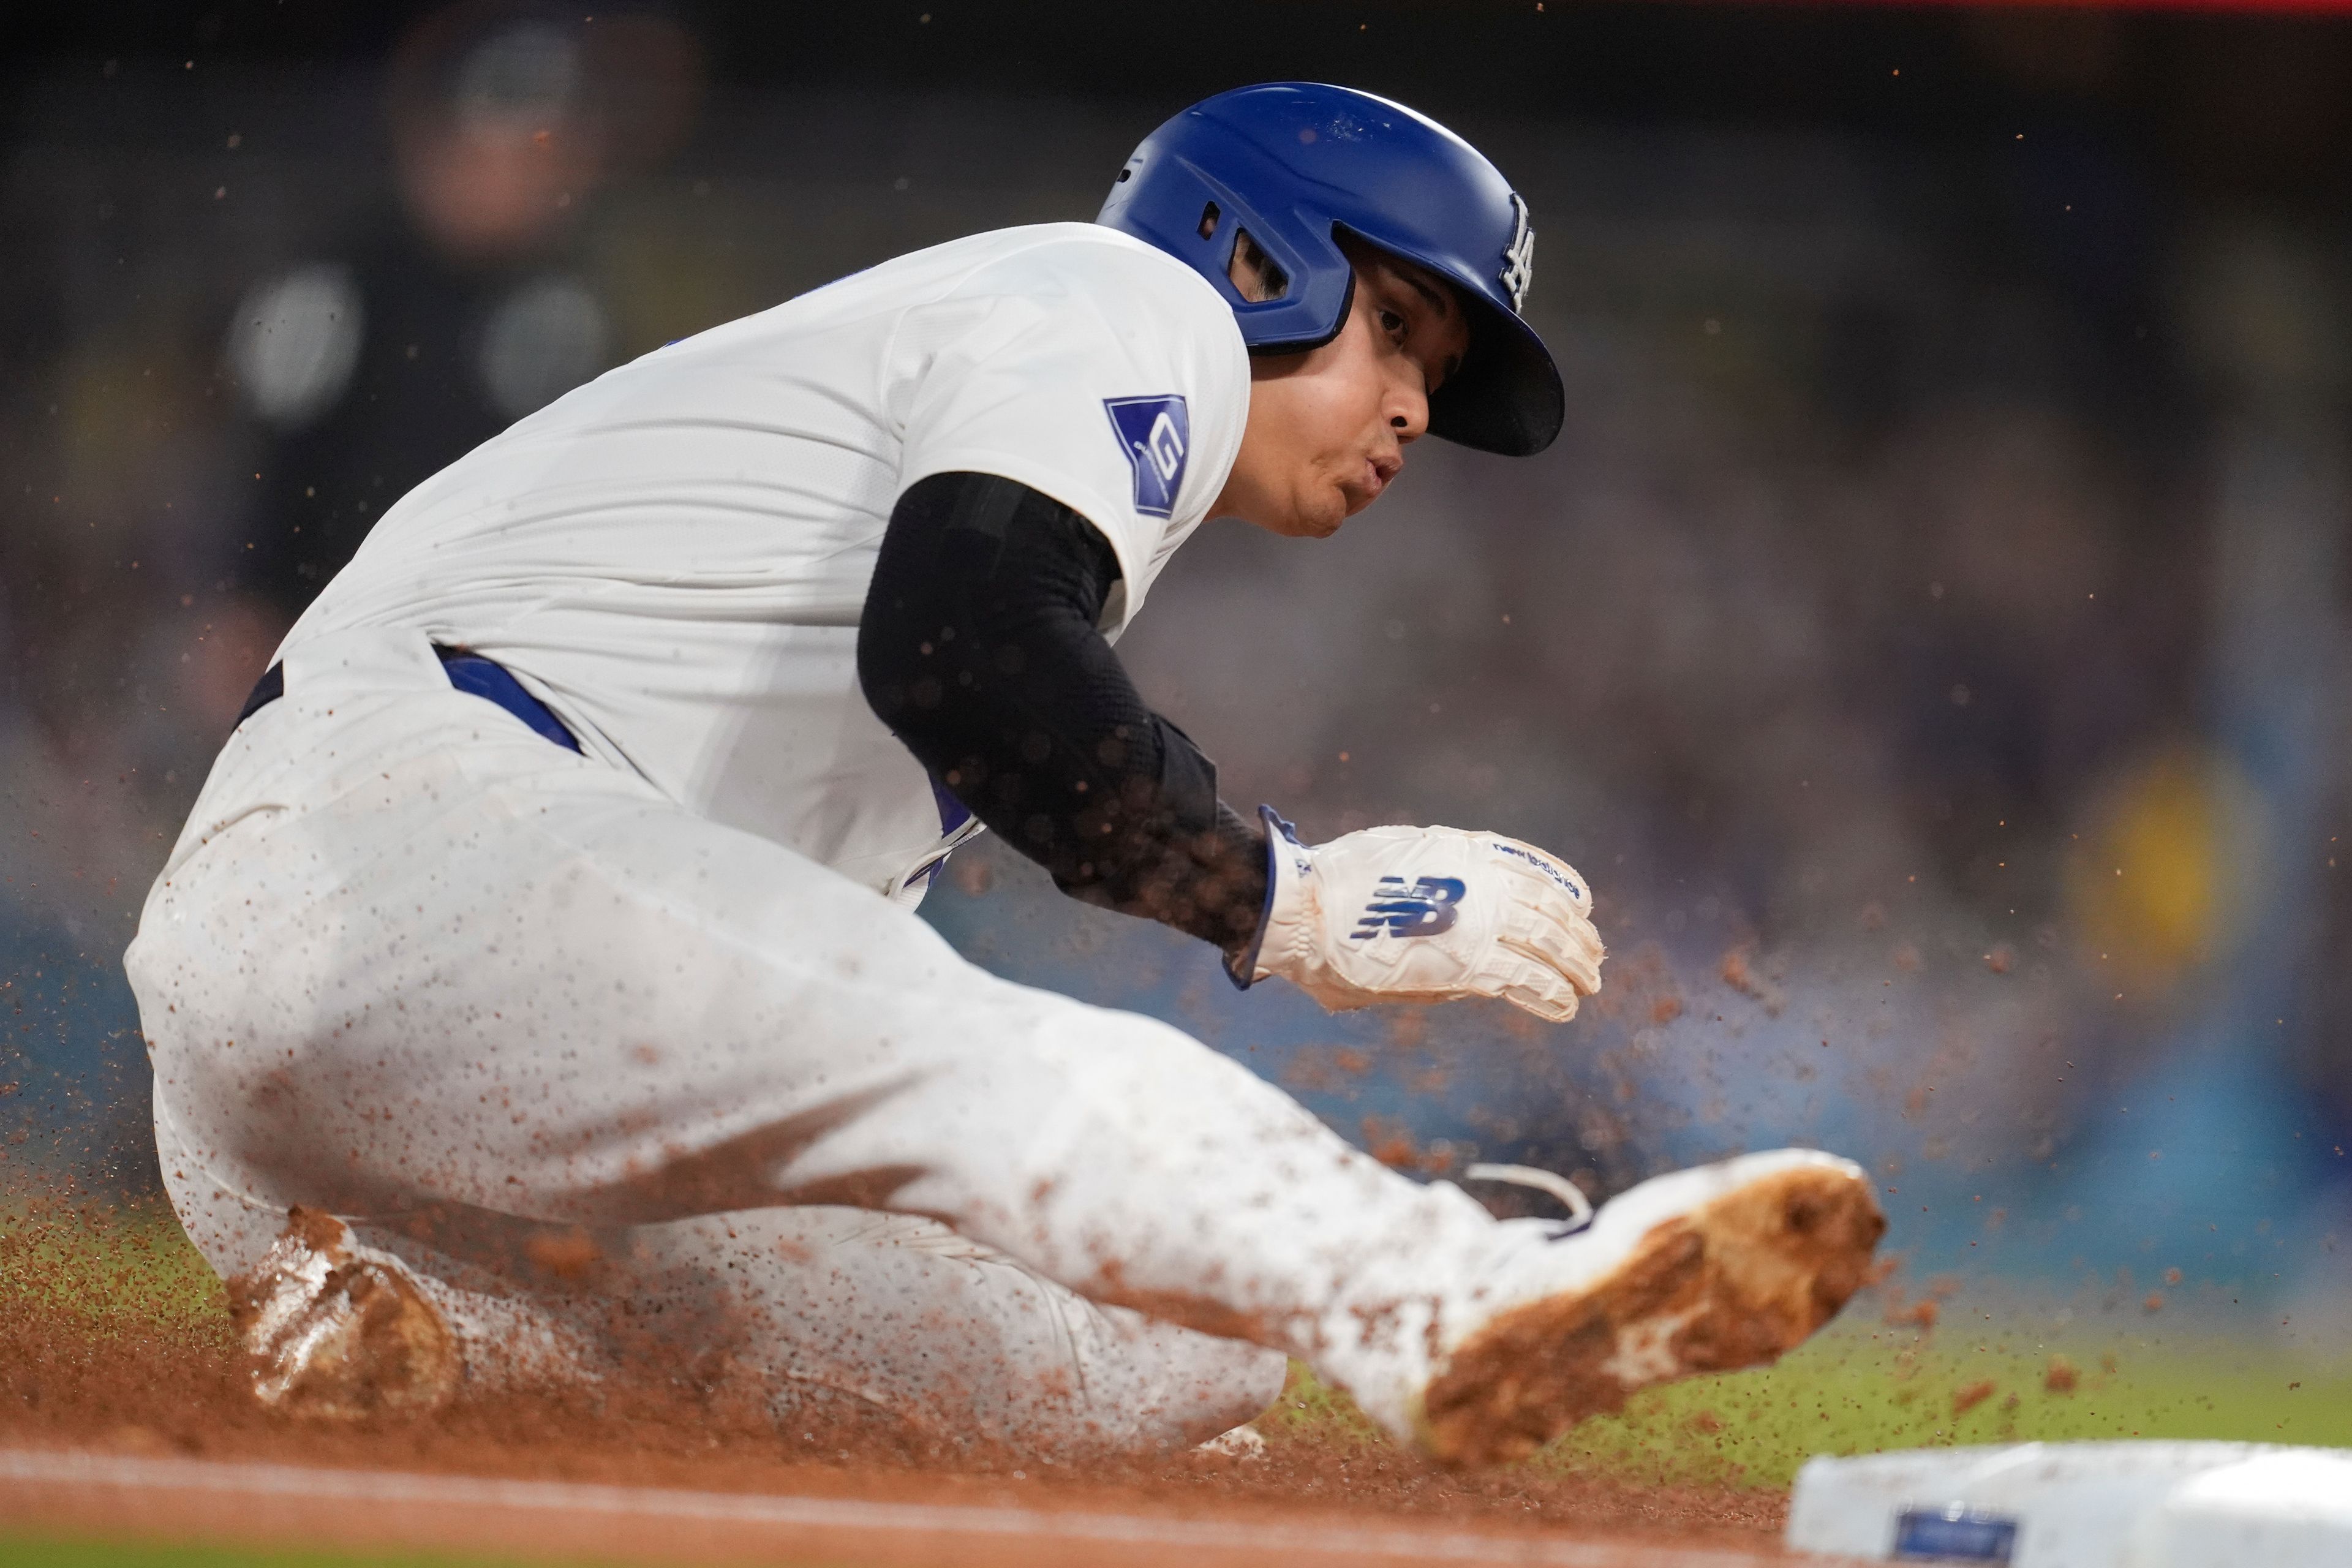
{"x":356,"y":1341}
{"x":1736,"y":1282}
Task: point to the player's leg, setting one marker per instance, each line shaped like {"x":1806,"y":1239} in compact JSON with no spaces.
{"x":554,"y":995}
{"x":836,"y":1321}
{"x":479,"y":970}
{"x":344,"y":1320}
{"x":852,"y":1315}
{"x":462,"y":965}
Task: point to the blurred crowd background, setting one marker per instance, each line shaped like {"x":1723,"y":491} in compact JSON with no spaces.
{"x":1929,"y":633}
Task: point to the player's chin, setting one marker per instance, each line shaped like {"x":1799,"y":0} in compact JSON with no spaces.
{"x":1319,"y":517}
{"x":1350,"y":500}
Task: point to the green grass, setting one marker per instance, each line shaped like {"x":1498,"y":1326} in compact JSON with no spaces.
{"x":58,"y":1551}
{"x":1851,"y":1393}
{"x":1856,"y":1390}
{"x":116,"y":1269}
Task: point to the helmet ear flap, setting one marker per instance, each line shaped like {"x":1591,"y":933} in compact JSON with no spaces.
{"x":1319,"y":285}
{"x":1338,"y":320}
{"x":1167,"y":199}
{"x":1258,"y":276}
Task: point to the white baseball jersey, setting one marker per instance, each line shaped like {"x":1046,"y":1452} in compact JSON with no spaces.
{"x":675,"y":556}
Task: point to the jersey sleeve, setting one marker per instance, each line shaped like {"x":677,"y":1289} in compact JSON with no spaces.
{"x":1112,"y":381}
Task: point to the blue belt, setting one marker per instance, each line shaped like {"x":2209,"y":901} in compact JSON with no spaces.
{"x":468,"y":672}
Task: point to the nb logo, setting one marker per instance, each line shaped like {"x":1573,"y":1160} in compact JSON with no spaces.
{"x":1426,"y":908}
{"x":1519,"y":255}
{"x":1157,"y":433}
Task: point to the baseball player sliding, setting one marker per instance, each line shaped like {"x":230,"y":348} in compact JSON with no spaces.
{"x":537,"y":990}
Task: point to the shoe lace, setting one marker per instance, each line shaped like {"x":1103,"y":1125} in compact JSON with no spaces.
{"x":1571,"y":1197}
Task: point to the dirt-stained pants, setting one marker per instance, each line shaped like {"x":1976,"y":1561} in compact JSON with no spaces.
{"x":412,"y":964}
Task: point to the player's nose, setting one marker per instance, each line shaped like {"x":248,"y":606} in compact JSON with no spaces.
{"x":1408,"y":408}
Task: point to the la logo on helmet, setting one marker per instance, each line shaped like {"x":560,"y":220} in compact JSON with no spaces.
{"x":1519,"y":255}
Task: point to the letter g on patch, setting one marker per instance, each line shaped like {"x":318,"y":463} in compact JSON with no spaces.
{"x":1157,"y":435}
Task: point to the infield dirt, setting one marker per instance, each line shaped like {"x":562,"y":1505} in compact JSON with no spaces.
{"x":97,"y":1361}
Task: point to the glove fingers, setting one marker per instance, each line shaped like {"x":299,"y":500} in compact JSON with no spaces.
{"x":1581,"y":976}
{"x":1531,"y":864}
{"x":1553,"y":933}
{"x":1537,"y":889}
{"x":1551,"y":901}
{"x":1532,"y":987}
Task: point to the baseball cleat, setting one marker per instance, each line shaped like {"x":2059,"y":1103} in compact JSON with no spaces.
{"x":1708,"y":1270}
{"x":338,"y":1331}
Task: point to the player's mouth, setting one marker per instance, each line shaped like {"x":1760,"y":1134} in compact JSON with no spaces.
{"x":1378,"y":473}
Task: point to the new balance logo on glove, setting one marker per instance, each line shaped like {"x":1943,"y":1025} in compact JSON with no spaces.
{"x":1504,"y":919}
{"x":1427,"y":908}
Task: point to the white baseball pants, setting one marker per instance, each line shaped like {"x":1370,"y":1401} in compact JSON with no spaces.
{"x":573,"y":1050}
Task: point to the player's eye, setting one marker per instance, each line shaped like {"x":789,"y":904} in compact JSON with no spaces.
{"x":1393,"y":323}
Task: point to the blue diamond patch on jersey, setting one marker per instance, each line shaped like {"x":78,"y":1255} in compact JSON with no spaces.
{"x":1158,"y":436}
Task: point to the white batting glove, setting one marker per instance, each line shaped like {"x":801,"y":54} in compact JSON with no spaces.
{"x":1424,"y":914}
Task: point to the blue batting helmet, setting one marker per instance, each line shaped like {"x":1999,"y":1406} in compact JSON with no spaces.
{"x":1291,"y":162}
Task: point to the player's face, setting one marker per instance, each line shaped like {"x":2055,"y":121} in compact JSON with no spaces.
{"x":1327,"y":428}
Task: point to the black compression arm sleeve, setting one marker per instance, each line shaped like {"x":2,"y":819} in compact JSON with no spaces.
{"x":979,"y":649}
